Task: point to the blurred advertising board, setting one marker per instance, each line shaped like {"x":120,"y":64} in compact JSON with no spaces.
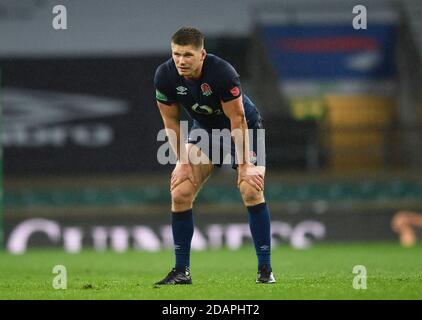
{"x":70,"y":115}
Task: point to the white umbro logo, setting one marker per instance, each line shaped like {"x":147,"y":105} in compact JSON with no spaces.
{"x":265,"y":247}
{"x":181,"y":90}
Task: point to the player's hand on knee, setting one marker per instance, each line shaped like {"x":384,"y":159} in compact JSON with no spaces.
{"x":400,"y":221}
{"x":181,"y":172}
{"x":251,"y":175}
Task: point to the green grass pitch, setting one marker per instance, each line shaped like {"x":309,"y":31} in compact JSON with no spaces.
{"x":324,"y":271}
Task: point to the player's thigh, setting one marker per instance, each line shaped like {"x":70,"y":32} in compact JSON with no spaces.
{"x":261,"y":170}
{"x":202,"y":166}
{"x":186,"y":190}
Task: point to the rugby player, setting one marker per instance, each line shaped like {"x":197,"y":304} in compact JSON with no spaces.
{"x":208,"y":88}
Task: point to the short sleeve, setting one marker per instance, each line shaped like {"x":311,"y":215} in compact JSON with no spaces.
{"x":163,"y":90}
{"x":230,"y":83}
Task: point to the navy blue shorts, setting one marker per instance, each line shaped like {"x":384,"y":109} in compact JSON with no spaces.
{"x":220,"y":148}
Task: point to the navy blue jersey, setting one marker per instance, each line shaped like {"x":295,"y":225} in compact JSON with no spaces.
{"x":202,"y":98}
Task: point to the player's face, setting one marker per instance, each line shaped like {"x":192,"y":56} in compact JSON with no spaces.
{"x":188,"y":60}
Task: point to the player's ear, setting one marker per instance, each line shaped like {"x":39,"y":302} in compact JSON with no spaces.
{"x":203,"y":53}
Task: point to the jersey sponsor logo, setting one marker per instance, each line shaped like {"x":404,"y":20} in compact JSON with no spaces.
{"x":160,"y":96}
{"x":181,"y":90}
{"x":235,"y":91}
{"x":206,"y":89}
{"x":203,"y":109}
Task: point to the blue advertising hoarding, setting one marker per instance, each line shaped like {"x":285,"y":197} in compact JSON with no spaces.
{"x":321,"y":52}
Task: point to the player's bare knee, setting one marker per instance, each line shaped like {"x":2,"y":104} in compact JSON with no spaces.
{"x":250,"y":195}
{"x":182,"y":195}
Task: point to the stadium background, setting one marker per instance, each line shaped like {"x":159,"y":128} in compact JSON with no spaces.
{"x":342,"y":111}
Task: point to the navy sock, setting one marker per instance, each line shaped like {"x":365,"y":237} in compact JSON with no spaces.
{"x":259,"y":223}
{"x":182,"y":226}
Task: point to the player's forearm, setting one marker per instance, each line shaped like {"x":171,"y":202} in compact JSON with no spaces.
{"x":239,"y":129}
{"x":176,"y":138}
